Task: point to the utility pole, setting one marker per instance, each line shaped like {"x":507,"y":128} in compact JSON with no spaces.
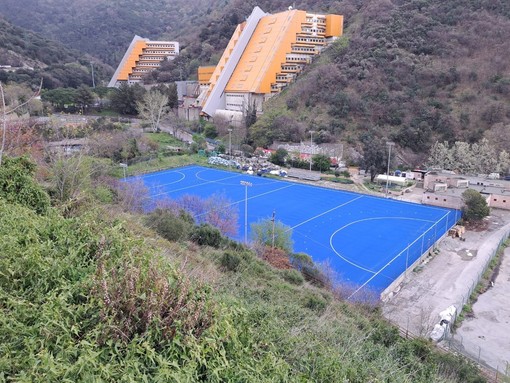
{"x":93,"y":79}
{"x":273,"y":219}
{"x":246,"y":184}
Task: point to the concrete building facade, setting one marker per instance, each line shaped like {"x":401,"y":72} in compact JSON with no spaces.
{"x":445,"y":190}
{"x":142,"y":57}
{"x":264,"y":55}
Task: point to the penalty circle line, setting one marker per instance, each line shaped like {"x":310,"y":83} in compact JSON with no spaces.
{"x":364,"y":220}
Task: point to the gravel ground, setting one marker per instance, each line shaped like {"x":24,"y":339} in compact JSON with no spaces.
{"x":447,"y":279}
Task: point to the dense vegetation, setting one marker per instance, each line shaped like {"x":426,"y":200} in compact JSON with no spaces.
{"x":34,"y":58}
{"x":104,"y":28}
{"x":412,"y":72}
{"x":94,"y":295}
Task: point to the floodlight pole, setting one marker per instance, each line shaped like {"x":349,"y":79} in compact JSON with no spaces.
{"x":246,"y":184}
{"x":389,"y":144}
{"x":311,"y":144}
{"x":124,"y":167}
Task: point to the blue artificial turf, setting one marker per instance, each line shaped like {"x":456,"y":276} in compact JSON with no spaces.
{"x":367,"y":241}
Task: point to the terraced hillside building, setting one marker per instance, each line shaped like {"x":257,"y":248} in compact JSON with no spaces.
{"x":265,"y":54}
{"x":142,"y":57}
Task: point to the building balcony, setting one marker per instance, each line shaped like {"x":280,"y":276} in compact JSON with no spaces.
{"x":288,"y":69}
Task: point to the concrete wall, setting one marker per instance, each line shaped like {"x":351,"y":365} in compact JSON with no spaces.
{"x":499,"y":201}
{"x":442,"y":200}
{"x":188,"y":114}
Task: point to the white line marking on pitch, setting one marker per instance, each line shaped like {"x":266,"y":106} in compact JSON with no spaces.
{"x":193,"y":186}
{"x":155,"y":174}
{"x":253,"y":197}
{"x":157,"y":186}
{"x":364,"y":220}
{"x":325,"y":212}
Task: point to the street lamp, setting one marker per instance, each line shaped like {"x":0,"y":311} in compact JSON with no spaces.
{"x":311,"y":144}
{"x":124,"y":167}
{"x":389,"y":144}
{"x":246,"y":184}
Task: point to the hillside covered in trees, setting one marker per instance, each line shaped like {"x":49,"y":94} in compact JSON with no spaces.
{"x":104,"y":28}
{"x":33,"y":58}
{"x":408,"y":71}
{"x":413,"y":72}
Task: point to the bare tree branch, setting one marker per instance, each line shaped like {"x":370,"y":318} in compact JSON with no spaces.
{"x":5,"y":111}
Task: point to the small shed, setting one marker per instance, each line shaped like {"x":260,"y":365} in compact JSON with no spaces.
{"x":383,"y":178}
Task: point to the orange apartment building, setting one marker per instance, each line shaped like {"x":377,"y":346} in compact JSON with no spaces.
{"x":265,"y":54}
{"x":142,"y":56}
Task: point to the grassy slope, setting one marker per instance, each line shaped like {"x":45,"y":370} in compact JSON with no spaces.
{"x":100,"y":297}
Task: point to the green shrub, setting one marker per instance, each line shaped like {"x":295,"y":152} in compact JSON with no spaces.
{"x":144,"y":293}
{"x":206,"y":235}
{"x":385,"y":334}
{"x":169,"y":225}
{"x":315,"y":303}
{"x":310,"y":271}
{"x":298,"y":260}
{"x":293,"y":276}
{"x":17,"y":184}
{"x":272,"y":234}
{"x":230,"y":261}
{"x":103,"y":194}
{"x":451,"y":364}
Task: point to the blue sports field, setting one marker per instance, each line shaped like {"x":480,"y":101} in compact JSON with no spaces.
{"x":368,"y":241}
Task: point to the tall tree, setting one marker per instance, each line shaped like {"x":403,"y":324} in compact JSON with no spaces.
{"x":124,"y":99}
{"x":170,"y":91}
{"x":321,"y":162}
{"x":251,"y":115}
{"x":278,"y":157}
{"x":479,"y":157}
{"x":84,"y":97}
{"x":273,"y":233}
{"x":153,"y":107}
{"x":475,"y":206}
{"x":374,"y":154}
